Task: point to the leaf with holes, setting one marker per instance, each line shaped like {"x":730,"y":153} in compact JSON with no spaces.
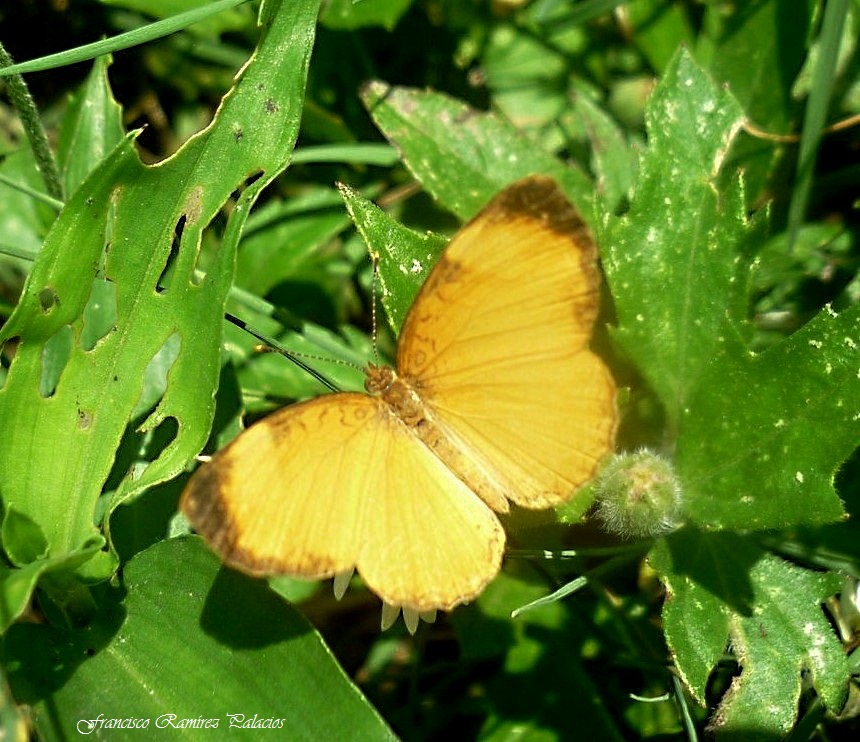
{"x":127,"y":244}
{"x":723,"y":589}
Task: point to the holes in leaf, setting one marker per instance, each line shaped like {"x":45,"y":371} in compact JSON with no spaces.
{"x":7,"y":352}
{"x":99,"y":316}
{"x":138,"y":449}
{"x":48,"y":299}
{"x":164,"y":279}
{"x":55,"y":356}
{"x":155,"y":376}
{"x":141,"y":445}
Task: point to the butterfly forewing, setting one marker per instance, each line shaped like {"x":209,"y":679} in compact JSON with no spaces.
{"x":496,"y":344}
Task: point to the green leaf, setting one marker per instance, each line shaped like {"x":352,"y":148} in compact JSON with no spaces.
{"x":284,"y":250}
{"x":463,"y":157}
{"x":24,"y":220}
{"x":659,"y":28}
{"x":722,"y":588}
{"x":670,"y":259}
{"x":199,"y":641}
{"x":91,"y":127}
{"x":749,"y":454}
{"x":17,"y":584}
{"x":613,"y":158}
{"x":768,"y":39}
{"x":23,"y":539}
{"x":405,"y":257}
{"x":139,"y":228}
{"x":678,"y":264}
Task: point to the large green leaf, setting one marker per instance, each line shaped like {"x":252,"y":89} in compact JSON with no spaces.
{"x":679,"y":264}
{"x":461,"y":156}
{"x":722,"y":589}
{"x":189,"y":643}
{"x":137,"y":230}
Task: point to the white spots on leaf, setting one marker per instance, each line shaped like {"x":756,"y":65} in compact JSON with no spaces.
{"x":651,"y":235}
{"x":851,"y":343}
{"x":416,"y":267}
{"x":817,"y":344}
{"x":747,"y":499}
{"x":640,"y":318}
{"x":779,"y":423}
{"x":798,"y":477}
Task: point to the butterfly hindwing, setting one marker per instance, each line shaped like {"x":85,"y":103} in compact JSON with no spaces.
{"x":338,"y":483}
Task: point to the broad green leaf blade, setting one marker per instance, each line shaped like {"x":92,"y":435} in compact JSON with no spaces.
{"x":461,"y":156}
{"x":405,"y":257}
{"x":91,"y":127}
{"x":722,"y":590}
{"x":752,"y":453}
{"x":706,"y":578}
{"x":286,"y":252}
{"x":658,"y":29}
{"x":139,"y":228}
{"x":671,"y":259}
{"x":614,"y":159}
{"x":200,"y":641}
{"x":678,"y":264}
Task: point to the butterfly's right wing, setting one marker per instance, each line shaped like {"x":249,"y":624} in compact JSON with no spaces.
{"x":337,"y":483}
{"x":496,"y":345}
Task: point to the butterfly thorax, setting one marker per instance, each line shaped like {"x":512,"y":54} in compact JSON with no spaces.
{"x":383,"y":381}
{"x":407,"y":406}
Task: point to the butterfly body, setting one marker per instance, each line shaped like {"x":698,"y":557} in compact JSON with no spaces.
{"x":495,"y":399}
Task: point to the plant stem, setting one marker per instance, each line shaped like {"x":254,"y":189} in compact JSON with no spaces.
{"x":27,"y":111}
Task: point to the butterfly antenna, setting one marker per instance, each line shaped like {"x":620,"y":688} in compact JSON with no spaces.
{"x":373,"y":289}
{"x":322,"y":379}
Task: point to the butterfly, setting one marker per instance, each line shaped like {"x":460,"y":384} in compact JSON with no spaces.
{"x":496,"y":399}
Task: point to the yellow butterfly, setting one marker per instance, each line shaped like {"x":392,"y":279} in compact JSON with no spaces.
{"x":496,"y":399}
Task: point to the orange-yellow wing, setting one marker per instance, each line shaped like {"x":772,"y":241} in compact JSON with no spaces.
{"x":338,"y":482}
{"x":496,"y":344}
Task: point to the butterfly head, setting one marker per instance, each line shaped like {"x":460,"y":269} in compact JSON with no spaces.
{"x":379,"y":379}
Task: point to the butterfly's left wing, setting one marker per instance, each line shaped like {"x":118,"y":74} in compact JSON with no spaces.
{"x":337,"y":483}
{"x":496,"y":345}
